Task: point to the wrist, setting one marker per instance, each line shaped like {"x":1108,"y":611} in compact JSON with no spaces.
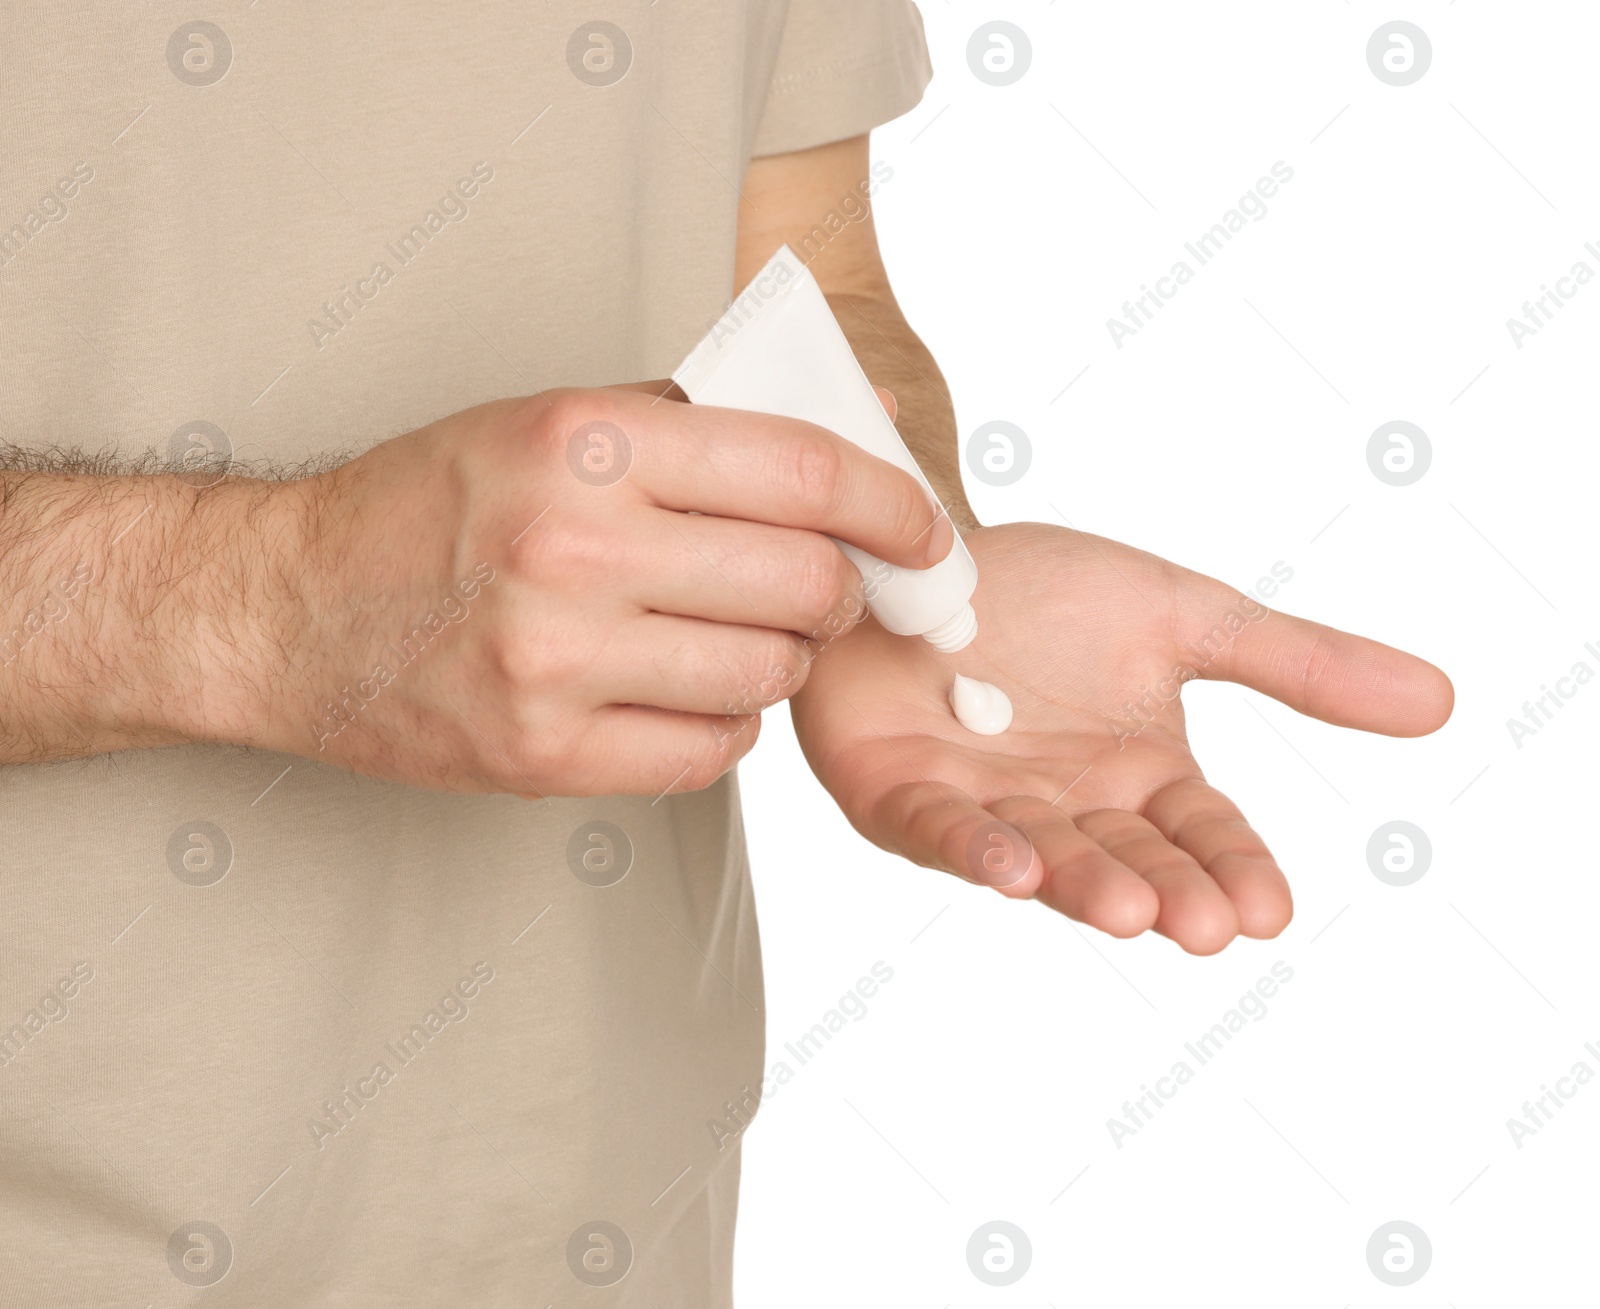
{"x":241,"y":667}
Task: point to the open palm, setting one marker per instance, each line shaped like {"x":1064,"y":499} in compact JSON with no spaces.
{"x":1092,"y":802}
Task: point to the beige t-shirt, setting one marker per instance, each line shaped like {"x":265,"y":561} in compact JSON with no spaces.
{"x":272,"y":1034}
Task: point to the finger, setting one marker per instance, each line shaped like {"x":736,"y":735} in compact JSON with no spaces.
{"x":700,"y":667}
{"x":1194,"y":911}
{"x":739,"y":464}
{"x":1080,"y":879}
{"x":1336,"y":676}
{"x":941,"y":827}
{"x":731,"y":571}
{"x":1209,"y":827}
{"x":641,"y":750}
{"x":891,"y":406}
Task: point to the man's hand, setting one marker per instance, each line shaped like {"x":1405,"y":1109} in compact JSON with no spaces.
{"x":616,"y":573}
{"x":564,"y":594}
{"x":1092,"y":801}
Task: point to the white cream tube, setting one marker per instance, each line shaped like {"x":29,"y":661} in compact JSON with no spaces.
{"x":779,"y":350}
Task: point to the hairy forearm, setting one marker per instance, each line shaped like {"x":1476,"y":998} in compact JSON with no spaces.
{"x":894,"y":356}
{"x":139,"y":610}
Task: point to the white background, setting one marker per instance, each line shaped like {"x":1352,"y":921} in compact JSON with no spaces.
{"x":1420,"y":1018}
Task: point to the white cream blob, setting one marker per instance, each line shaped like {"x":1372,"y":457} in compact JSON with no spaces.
{"x":980,"y":707}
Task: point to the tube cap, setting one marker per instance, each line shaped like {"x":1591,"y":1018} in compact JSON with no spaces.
{"x":955,"y":633}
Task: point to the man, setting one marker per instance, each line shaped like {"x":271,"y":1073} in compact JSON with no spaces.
{"x":320,"y":986}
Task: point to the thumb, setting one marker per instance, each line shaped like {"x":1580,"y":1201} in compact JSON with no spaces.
{"x":1319,"y":671}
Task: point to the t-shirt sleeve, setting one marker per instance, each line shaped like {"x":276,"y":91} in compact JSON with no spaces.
{"x":843,"y":68}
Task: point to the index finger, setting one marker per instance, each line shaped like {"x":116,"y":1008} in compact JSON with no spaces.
{"x":736,"y":463}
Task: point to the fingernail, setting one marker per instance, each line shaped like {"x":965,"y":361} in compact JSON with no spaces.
{"x":940,"y":538}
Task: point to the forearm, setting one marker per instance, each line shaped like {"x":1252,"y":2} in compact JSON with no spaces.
{"x":139,"y":611}
{"x":818,"y":201}
{"x":894,"y":356}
